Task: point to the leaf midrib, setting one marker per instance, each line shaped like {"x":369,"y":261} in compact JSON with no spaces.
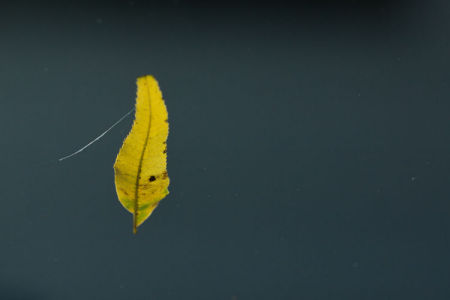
{"x":141,"y":160}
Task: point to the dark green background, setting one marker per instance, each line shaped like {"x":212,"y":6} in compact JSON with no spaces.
{"x":308,"y":152}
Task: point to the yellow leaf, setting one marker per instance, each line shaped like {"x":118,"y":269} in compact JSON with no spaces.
{"x":141,"y":168}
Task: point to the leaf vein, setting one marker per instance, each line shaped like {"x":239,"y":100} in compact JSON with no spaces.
{"x":138,"y":177}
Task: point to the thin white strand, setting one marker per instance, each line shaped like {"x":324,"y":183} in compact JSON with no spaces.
{"x":97,"y":138}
